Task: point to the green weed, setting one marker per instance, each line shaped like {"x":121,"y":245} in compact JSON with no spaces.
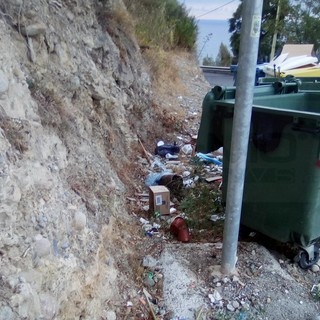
{"x":199,"y":204}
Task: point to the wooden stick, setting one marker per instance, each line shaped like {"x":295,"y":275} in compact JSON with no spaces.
{"x":149,"y":304}
{"x":145,"y":151}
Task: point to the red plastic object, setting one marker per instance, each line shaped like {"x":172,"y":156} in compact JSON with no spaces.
{"x":180,"y":229}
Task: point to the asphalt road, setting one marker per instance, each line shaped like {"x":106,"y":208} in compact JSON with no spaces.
{"x":219,"y":79}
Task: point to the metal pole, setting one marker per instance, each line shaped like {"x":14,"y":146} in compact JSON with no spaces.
{"x":249,"y":41}
{"x":274,"y":39}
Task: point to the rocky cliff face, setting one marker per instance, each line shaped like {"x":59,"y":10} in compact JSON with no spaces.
{"x":74,"y":93}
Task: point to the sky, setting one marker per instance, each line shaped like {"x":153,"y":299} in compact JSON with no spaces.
{"x":200,"y":8}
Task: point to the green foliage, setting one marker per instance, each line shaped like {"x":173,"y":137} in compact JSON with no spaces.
{"x":163,"y":24}
{"x":302,"y":25}
{"x":299,"y":22}
{"x":199,"y":203}
{"x":224,"y":56}
{"x":268,"y":27}
{"x":208,"y":61}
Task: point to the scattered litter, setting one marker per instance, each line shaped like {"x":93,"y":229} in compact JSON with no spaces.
{"x":212,"y":179}
{"x":149,"y":262}
{"x":129,"y":304}
{"x":162,"y":149}
{"x":218,"y":245}
{"x":171,"y":156}
{"x":131,"y":199}
{"x":189,"y":183}
{"x":207,"y":158}
{"x":154,"y":178}
{"x":144,"y":221}
{"x":216,"y":217}
{"x":315,"y":290}
{"x":173,"y":210}
{"x":187,"y":149}
{"x":158,"y":165}
{"x":186,"y":174}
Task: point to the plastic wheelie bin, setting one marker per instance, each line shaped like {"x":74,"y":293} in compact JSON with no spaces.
{"x":282,"y":181}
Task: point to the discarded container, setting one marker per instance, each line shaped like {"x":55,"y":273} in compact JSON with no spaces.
{"x":173,"y":182}
{"x":281,"y":190}
{"x":180,"y":229}
{"x":159,"y":199}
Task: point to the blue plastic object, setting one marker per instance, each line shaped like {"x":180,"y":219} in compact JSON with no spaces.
{"x":204,"y":157}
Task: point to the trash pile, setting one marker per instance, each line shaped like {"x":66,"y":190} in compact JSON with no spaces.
{"x":173,"y":168}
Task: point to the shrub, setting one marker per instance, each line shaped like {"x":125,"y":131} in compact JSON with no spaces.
{"x":163,"y":23}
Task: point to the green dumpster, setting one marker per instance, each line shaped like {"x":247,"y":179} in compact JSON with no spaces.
{"x":282,"y":182}
{"x":210,"y":133}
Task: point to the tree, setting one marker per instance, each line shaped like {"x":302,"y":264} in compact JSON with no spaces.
{"x":208,"y":61}
{"x":302,"y":25}
{"x":224,"y":56}
{"x":268,"y":27}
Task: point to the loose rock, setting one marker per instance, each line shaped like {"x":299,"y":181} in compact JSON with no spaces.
{"x":315,"y":268}
{"x":33,"y":29}
{"x":4,"y":85}
{"x":42,"y":247}
{"x":80,"y":220}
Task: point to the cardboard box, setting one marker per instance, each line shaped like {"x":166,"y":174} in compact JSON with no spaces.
{"x":159,"y":199}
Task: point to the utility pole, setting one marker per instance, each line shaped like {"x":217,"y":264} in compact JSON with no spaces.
{"x":249,"y":42}
{"x":275,"y":35}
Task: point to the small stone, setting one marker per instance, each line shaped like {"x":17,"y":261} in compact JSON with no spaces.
{"x":235,"y":304}
{"x":218,"y":284}
{"x":315,"y":268}
{"x":268,"y":300}
{"x":79,"y":220}
{"x":42,"y":247}
{"x":4,"y":85}
{"x":218,"y":245}
{"x":216,"y":295}
{"x":6,"y":313}
{"x":111,"y":315}
{"x":230,"y":307}
{"x":301,"y":302}
{"x":225,"y":280}
{"x":48,"y":306}
{"x":75,"y":83}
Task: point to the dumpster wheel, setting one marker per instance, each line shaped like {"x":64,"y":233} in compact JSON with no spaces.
{"x":304,"y":258}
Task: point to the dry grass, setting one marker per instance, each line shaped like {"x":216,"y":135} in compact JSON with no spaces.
{"x":16,"y":131}
{"x":166,"y":83}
